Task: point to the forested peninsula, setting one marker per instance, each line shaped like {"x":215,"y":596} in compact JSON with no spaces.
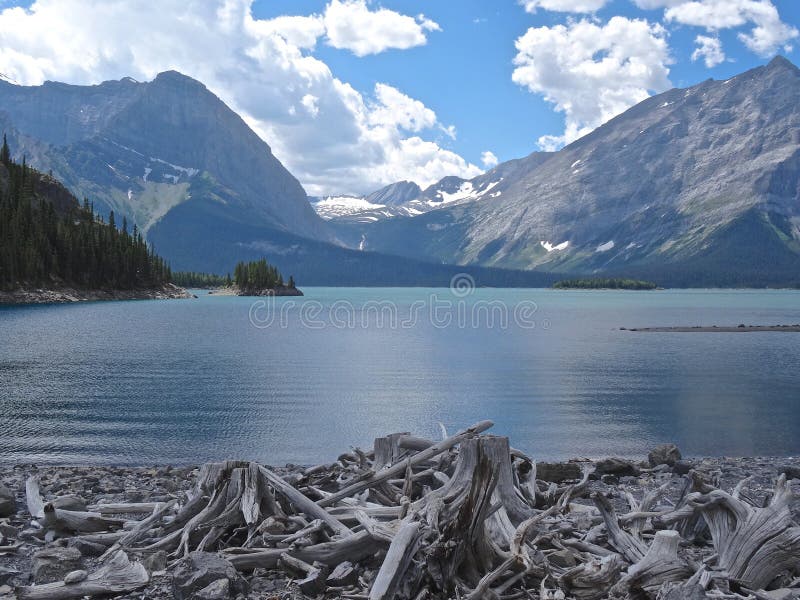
{"x":55,"y":249}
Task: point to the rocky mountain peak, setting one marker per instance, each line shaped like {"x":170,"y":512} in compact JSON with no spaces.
{"x":781,"y":63}
{"x":176,"y":79}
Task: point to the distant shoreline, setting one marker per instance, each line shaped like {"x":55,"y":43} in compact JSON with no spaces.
{"x":33,"y":295}
{"x":716,"y":329}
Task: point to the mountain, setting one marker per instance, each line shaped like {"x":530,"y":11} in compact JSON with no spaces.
{"x":174,"y":160}
{"x":395,"y":194}
{"x":144,"y":149}
{"x":407,"y":199}
{"x":697,"y":186}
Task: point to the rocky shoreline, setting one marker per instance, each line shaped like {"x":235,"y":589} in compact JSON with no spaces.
{"x":718,"y":329}
{"x":276,"y":291}
{"x":35,"y":552}
{"x":67,"y":294}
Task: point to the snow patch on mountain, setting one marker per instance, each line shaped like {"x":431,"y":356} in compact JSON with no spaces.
{"x":188,"y":171}
{"x":466,"y":192}
{"x":330,"y":207}
{"x":605,"y":247}
{"x":551,"y":247}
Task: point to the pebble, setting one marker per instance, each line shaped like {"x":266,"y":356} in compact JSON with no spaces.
{"x":75,"y":577}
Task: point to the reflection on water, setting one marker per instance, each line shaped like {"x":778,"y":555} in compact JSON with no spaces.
{"x":187,"y":381}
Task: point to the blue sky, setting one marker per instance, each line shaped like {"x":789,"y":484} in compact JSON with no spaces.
{"x":464,"y":70}
{"x":352,"y":95}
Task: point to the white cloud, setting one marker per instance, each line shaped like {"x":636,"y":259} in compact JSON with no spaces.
{"x":574,"y":6}
{"x":311,"y":104}
{"x":299,"y":31}
{"x":768,"y":34}
{"x":393,"y":108}
{"x":329,"y":135}
{"x":351,"y":25}
{"x":709,"y":49}
{"x":489,"y":159}
{"x":449,"y":130}
{"x":592,"y":72}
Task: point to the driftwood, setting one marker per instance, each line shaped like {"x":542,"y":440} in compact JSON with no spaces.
{"x":659,"y":566}
{"x":34,"y":498}
{"x":755,"y":545}
{"x":118,"y":575}
{"x":464,"y":517}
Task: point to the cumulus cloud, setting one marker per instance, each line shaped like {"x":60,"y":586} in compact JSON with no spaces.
{"x":592,"y":72}
{"x":574,"y":6}
{"x":489,"y":159}
{"x":351,"y":25}
{"x":331,"y":136}
{"x":709,"y":49}
{"x":393,"y":108}
{"x":767,"y":35}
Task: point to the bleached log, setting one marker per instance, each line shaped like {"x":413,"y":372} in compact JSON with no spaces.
{"x":691,"y":589}
{"x":398,"y":557}
{"x":132,"y":508}
{"x":387,"y":450}
{"x":214,"y":507}
{"x":400,"y":468}
{"x":314,"y":581}
{"x":140,"y":530}
{"x":592,"y":580}
{"x":754,"y":545}
{"x":410,"y":442}
{"x":314,"y":527}
{"x":33,"y":497}
{"x":631,"y":547}
{"x":377,"y":530}
{"x":104,"y":539}
{"x":353,"y":548}
{"x":118,"y":576}
{"x":660,"y":565}
{"x":304,"y":504}
{"x":77,"y":521}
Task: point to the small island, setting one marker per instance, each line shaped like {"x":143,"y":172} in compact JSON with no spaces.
{"x":741,"y":328}
{"x":255,"y":278}
{"x":604,"y":283}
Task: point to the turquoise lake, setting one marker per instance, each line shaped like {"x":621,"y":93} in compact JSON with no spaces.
{"x":303,"y":379}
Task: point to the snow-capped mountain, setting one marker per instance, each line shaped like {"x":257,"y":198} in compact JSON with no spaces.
{"x":407,"y":199}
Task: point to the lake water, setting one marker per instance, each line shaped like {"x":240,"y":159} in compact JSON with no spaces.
{"x":303,"y":379}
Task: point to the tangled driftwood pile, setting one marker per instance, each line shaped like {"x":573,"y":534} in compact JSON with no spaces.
{"x":465,"y":517}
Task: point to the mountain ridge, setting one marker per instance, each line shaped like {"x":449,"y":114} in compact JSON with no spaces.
{"x":676,"y":185}
{"x":141,"y":148}
{"x":656,"y":188}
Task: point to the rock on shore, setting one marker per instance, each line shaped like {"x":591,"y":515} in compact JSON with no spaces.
{"x":65,"y":294}
{"x":282,"y":290}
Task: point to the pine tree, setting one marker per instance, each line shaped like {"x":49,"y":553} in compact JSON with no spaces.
{"x":5,"y":153}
